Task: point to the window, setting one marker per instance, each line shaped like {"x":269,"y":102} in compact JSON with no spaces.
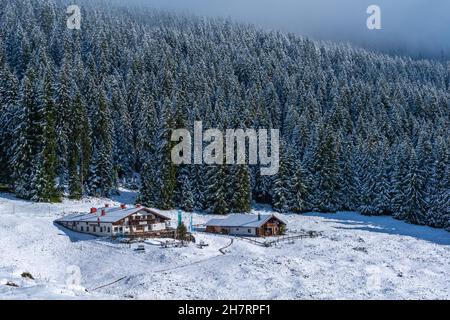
{"x":95,"y":229}
{"x":115,"y":229}
{"x":109,"y":229}
{"x":82,"y":229}
{"x":87,"y":229}
{"x":249,"y":230}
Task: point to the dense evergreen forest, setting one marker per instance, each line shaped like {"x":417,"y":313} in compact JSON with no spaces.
{"x":84,"y":111}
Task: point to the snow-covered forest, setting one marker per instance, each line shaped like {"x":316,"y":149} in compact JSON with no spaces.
{"x":94,"y":108}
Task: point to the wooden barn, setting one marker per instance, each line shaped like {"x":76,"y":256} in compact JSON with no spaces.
{"x":247,"y":225}
{"x":120,"y":221}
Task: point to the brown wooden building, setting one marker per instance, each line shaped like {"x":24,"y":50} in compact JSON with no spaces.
{"x":247,"y":225}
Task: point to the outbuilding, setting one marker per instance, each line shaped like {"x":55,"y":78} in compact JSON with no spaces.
{"x":247,"y":225}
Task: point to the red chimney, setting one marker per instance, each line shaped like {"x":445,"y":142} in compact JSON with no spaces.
{"x":138,"y":205}
{"x":123,"y":206}
{"x":103,"y":212}
{"x":93,"y":210}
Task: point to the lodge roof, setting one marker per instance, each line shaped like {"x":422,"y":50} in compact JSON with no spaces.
{"x":112,"y":215}
{"x":242,"y":220}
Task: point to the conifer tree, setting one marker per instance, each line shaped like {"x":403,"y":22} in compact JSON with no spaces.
{"x":216,"y":201}
{"x":185,"y":195}
{"x":149,"y":188}
{"x":282,"y":196}
{"x":401,"y":170}
{"x":49,"y":192}
{"x":439,"y":197}
{"x":75,"y":163}
{"x":101,"y":167}
{"x":383,"y":190}
{"x":166,"y":170}
{"x":9,"y":88}
{"x":299,"y":190}
{"x":326,"y":172}
{"x":414,"y":207}
{"x":239,"y":189}
{"x":28,"y":139}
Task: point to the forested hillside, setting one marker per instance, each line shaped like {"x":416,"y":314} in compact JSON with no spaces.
{"x":94,"y":108}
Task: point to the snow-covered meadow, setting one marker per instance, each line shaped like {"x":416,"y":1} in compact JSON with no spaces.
{"x":356,"y":257}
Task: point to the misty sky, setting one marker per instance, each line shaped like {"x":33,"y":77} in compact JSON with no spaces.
{"x":420,"y":27}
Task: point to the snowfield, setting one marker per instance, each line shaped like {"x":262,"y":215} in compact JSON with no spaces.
{"x":355,"y":257}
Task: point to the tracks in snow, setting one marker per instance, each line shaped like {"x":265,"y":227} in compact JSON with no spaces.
{"x":108,"y":284}
{"x":221,"y":250}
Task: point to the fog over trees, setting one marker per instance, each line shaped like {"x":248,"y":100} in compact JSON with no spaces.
{"x":417,"y":28}
{"x":84,"y":111}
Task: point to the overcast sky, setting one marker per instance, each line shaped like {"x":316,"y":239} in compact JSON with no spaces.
{"x":414,"y":26}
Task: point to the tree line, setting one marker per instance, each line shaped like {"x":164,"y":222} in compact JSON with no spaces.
{"x":85,"y":111}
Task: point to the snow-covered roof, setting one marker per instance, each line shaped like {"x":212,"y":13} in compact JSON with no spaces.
{"x":112,"y":215}
{"x":242,"y":220}
{"x":214,"y":222}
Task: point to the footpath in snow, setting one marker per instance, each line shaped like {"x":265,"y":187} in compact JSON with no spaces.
{"x":355,"y":257}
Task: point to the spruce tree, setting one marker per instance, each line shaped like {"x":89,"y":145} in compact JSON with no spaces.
{"x":101,"y":167}
{"x":149,"y":189}
{"x":50,"y":191}
{"x":414,"y":207}
{"x":299,"y":190}
{"x":184,"y":194}
{"x":439,"y":196}
{"x":401,"y":170}
{"x":282,"y":196}
{"x":9,"y":87}
{"x":216,"y":193}
{"x":326,"y":170}
{"x":239,"y":188}
{"x":165,"y":168}
{"x":26,"y":159}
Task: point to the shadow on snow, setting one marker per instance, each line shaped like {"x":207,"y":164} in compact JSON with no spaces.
{"x":384,"y":224}
{"x":73,"y":235}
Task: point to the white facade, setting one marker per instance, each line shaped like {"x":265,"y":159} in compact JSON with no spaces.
{"x":116,"y":221}
{"x":102,"y":229}
{"x":158,"y":226}
{"x":242,"y":231}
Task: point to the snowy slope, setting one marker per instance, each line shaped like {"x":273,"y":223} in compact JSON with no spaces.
{"x":355,"y":257}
